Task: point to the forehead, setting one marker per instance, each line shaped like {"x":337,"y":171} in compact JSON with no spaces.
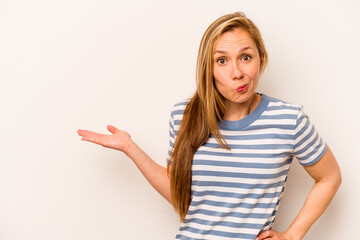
{"x":236,"y":38}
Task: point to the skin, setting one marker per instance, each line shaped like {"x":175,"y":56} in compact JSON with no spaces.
{"x":121,"y":140}
{"x":236,"y":62}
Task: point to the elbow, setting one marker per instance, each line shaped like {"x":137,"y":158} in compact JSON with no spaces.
{"x":338,"y":180}
{"x":333,"y":181}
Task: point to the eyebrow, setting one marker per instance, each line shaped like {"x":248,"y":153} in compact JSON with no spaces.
{"x":240,"y":50}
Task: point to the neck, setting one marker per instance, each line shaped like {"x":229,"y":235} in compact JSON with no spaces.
{"x":237,"y":111}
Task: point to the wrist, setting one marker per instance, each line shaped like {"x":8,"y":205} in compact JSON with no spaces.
{"x":129,"y":147}
{"x":291,"y":235}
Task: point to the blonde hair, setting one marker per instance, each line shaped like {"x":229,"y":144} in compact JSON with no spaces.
{"x":205,"y":109}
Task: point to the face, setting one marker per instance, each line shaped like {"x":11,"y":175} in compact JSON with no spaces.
{"x":237,"y":66}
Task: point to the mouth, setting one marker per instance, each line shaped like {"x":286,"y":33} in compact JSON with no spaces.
{"x":242,"y":88}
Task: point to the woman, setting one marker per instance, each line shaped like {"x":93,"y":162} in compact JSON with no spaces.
{"x":231,"y":147}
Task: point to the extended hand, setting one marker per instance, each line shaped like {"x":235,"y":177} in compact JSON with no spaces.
{"x":118,"y":140}
{"x":272,"y":235}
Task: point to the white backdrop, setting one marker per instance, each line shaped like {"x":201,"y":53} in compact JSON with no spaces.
{"x":73,"y":64}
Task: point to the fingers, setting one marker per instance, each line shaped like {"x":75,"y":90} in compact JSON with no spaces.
{"x":85,"y":133}
{"x":91,"y":136}
{"x":112,"y":129}
{"x":265,"y":235}
{"x":82,"y":132}
{"x":105,"y":140}
{"x":271,"y":235}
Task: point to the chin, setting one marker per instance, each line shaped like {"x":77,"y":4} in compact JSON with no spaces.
{"x":243,"y":97}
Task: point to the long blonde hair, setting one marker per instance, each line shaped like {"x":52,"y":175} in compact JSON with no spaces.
{"x":205,"y":109}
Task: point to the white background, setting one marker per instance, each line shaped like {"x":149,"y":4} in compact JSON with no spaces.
{"x":73,"y":64}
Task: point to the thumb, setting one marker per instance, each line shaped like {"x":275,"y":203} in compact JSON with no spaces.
{"x":112,"y":129}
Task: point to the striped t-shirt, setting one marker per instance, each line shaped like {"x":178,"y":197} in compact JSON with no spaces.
{"x":236,"y":193}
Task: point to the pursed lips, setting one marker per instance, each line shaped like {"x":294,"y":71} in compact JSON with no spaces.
{"x":242,"y":88}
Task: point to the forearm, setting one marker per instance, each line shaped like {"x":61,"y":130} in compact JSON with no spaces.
{"x":154,"y":173}
{"x":316,"y":203}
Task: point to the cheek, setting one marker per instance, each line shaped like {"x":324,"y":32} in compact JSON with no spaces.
{"x":217,"y":74}
{"x":220,"y":80}
{"x":220,"y":75}
{"x":217,"y":84}
{"x":254,"y":71}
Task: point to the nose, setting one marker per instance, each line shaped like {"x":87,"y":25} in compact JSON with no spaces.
{"x":237,"y":72}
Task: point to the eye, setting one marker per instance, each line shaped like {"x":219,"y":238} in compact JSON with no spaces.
{"x":246,"y":57}
{"x":221,"y":61}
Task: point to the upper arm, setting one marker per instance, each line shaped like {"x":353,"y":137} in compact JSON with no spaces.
{"x":171,"y":137}
{"x":326,"y":169}
{"x":309,"y":147}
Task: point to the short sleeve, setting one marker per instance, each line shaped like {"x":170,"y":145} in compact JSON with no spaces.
{"x":171,"y":137}
{"x":308,"y":146}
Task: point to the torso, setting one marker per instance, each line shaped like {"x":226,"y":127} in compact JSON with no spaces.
{"x":236,"y":193}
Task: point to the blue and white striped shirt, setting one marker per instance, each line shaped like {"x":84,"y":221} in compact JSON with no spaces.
{"x":236,"y":193}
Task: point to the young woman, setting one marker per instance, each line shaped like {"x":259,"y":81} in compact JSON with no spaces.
{"x":231,"y":147}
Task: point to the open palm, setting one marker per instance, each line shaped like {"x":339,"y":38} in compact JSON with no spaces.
{"x":118,"y":140}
